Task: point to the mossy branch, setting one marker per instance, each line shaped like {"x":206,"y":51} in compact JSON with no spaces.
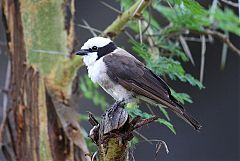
{"x":118,"y":25}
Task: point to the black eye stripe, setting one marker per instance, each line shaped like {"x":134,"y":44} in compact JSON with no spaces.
{"x":106,"y":49}
{"x":101,"y":51}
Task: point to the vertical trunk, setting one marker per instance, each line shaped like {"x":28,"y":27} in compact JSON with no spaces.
{"x":38,"y":126}
{"x":41,"y":125}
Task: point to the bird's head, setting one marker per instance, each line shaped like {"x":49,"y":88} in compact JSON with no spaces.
{"x":95,"y":48}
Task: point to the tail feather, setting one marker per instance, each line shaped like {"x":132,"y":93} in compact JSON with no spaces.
{"x":190,"y":120}
{"x":178,"y":109}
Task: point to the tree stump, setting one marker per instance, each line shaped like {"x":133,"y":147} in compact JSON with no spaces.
{"x":114,"y":132}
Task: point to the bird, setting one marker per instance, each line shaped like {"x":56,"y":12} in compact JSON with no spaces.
{"x":126,"y":78}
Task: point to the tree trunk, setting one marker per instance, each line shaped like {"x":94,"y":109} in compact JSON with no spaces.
{"x":39,"y":122}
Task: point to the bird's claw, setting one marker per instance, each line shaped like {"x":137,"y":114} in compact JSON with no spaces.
{"x":116,"y":105}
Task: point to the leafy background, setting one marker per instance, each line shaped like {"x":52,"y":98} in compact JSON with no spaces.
{"x":216,"y":106}
{"x":209,"y":104}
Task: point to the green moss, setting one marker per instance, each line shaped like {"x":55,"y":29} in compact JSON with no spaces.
{"x":44,"y":147}
{"x":43,"y":22}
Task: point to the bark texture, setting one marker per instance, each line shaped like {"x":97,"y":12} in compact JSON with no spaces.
{"x":39,"y":122}
{"x":114,"y":132}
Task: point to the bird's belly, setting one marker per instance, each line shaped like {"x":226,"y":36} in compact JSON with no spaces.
{"x":118,"y":92}
{"x":98,"y":74}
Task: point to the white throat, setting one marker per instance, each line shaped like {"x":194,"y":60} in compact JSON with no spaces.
{"x":90,"y":59}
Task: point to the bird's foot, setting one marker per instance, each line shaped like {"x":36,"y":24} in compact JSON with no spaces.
{"x":116,"y":105}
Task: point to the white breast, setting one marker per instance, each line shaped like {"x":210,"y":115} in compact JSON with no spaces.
{"x":97,"y":71}
{"x":98,"y":74}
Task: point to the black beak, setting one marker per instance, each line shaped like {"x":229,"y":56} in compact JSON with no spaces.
{"x":82,"y":52}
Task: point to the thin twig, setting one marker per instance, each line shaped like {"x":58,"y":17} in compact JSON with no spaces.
{"x":86,"y":27}
{"x":94,"y":156}
{"x":221,"y":37}
{"x":145,"y":122}
{"x":203,"y":51}
{"x":134,"y":13}
{"x":151,"y":141}
{"x":195,"y":39}
{"x":143,"y":137}
{"x":158,"y":146}
{"x":148,"y":21}
{"x":89,"y":28}
{"x":128,"y":35}
{"x":169,"y":4}
{"x":150,"y":109}
{"x":186,"y":49}
{"x":212,"y":10}
{"x":131,"y":153}
{"x":49,"y":52}
{"x":239,"y":9}
{"x":224,"y":54}
{"x":120,"y":22}
{"x":111,"y":7}
{"x":140,"y":31}
{"x":230,"y":3}
{"x":210,"y":38}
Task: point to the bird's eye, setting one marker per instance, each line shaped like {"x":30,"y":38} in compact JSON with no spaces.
{"x":94,"y":48}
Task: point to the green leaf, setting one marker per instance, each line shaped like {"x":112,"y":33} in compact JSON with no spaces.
{"x":185,"y":14}
{"x":165,"y":113}
{"x":181,"y":97}
{"x":133,"y":112}
{"x":227,"y":20}
{"x":173,"y":69}
{"x":134,"y":141}
{"x":141,"y":50}
{"x":168,"y":124}
{"x":174,"y":49}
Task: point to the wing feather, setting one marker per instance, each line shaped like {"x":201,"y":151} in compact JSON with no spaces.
{"x":135,"y":76}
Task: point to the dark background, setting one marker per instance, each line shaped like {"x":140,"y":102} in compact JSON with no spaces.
{"x":216,"y":107}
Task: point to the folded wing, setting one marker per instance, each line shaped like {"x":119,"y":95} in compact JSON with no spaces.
{"x":135,"y":76}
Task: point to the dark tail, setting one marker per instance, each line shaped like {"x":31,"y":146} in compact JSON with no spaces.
{"x":190,"y":120}
{"x":180,"y":111}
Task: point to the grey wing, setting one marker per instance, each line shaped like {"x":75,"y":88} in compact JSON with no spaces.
{"x":134,"y":76}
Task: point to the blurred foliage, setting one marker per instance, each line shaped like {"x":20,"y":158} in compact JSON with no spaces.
{"x":165,"y":65}
{"x":158,"y":43}
{"x":136,"y":111}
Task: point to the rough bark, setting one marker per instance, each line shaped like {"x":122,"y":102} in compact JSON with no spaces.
{"x":38,"y":125}
{"x":114,"y":132}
